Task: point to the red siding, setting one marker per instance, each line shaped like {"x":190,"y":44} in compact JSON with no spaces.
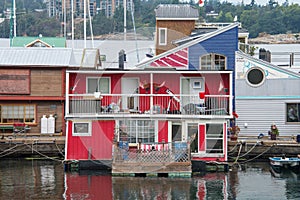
{"x":202,"y":132}
{"x":214,"y":83}
{"x":225,"y":140}
{"x":100,"y":143}
{"x":163,"y":131}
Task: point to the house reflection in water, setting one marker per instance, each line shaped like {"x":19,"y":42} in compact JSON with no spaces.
{"x":87,"y":186}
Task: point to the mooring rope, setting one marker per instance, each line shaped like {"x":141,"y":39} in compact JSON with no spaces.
{"x":258,"y":155}
{"x":249,"y":150}
{"x":59,"y":150}
{"x":11,"y":151}
{"x":241,"y":145}
{"x":233,"y":148}
{"x":10,"y":148}
{"x":58,"y":160}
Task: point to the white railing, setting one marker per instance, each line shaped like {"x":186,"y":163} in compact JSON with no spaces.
{"x":88,"y":104}
{"x":156,"y":153}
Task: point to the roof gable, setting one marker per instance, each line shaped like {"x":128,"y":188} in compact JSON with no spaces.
{"x":244,"y":62}
{"x":166,"y":55}
{"x":39,"y":42}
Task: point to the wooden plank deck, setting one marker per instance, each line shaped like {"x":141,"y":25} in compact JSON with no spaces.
{"x":31,"y":144}
{"x":183,"y":168}
{"x":250,"y":147}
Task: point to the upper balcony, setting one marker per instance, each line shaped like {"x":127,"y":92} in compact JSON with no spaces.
{"x":150,"y":94}
{"x":116,"y":105}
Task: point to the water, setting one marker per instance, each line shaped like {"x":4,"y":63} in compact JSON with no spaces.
{"x":38,"y":179}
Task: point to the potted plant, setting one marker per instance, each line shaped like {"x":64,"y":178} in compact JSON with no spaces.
{"x":274,"y":132}
{"x":234,"y":132}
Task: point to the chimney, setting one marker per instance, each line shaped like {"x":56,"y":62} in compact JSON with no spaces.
{"x":122,"y":58}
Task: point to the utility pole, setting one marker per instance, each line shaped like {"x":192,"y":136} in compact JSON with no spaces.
{"x":125,"y":5}
{"x":84,"y":22}
{"x":13,"y":27}
{"x":72,"y":7}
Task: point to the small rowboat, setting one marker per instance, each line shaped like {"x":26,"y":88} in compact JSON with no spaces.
{"x":278,"y":163}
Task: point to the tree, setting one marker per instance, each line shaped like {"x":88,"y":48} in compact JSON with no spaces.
{"x":102,"y":24}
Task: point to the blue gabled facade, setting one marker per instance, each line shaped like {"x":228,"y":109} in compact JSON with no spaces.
{"x":225,"y":43}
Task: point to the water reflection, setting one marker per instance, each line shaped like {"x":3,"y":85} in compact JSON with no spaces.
{"x":88,"y":185}
{"x":36,"y":179}
{"x":29,"y":179}
{"x":107,"y":187}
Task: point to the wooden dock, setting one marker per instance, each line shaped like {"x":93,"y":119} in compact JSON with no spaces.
{"x":248,"y":148}
{"x":31,"y":145}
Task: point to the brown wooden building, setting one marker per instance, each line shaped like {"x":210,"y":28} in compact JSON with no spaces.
{"x":32,"y":86}
{"x":173,"y":22}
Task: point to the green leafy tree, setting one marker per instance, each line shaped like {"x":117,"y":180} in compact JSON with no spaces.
{"x":291,"y":18}
{"x":102,"y":24}
{"x":118,"y":20}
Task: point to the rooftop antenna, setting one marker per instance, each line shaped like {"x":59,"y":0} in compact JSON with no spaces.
{"x":91,"y":27}
{"x":72,"y":7}
{"x":65,"y":19}
{"x":15,"y":18}
{"x":134,"y":30}
{"x":13,"y":23}
{"x":125,"y":2}
{"x":84,"y":22}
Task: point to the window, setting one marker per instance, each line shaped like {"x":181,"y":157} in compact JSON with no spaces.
{"x":193,"y":133}
{"x":292,"y":112}
{"x":213,"y":62}
{"x":214,"y":138}
{"x":176,"y":132}
{"x":18,"y":113}
{"x":255,"y":76}
{"x":98,"y":85}
{"x":135,"y":131}
{"x":197,"y":85}
{"x":162,"y":40}
{"x":82,"y":129}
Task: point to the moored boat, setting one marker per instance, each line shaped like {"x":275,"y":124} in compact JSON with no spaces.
{"x":279,"y":163}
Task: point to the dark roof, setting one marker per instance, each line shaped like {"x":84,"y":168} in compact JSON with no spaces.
{"x":176,"y":11}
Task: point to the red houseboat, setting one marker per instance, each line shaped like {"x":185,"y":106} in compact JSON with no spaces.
{"x":138,"y":120}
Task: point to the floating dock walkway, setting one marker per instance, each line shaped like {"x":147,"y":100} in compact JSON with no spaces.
{"x":248,"y":148}
{"x":31,"y":145}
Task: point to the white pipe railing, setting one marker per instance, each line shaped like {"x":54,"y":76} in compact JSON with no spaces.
{"x":88,"y":104}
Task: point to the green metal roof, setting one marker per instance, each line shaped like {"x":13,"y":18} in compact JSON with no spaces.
{"x":51,"y":41}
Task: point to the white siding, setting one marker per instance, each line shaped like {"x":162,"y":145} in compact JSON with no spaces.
{"x":259,"y":114}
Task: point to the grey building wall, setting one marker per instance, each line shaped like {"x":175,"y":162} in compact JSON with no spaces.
{"x":259,"y":114}
{"x":259,"y":107}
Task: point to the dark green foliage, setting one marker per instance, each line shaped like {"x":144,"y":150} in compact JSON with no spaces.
{"x":270,"y":18}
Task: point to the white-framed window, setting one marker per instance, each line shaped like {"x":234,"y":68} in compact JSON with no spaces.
{"x":293,"y":112}
{"x":214,"y":138}
{"x":162,"y":36}
{"x":96,"y":84}
{"x":213,"y":62}
{"x":82,"y":128}
{"x":11,"y":113}
{"x":135,"y":131}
